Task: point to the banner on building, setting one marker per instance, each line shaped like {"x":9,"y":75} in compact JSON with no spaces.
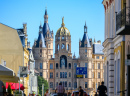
{"x":23,"y":71}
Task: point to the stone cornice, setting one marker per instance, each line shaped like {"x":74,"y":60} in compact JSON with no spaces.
{"x":107,"y":41}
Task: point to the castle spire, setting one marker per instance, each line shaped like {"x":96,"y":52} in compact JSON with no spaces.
{"x":62,"y":25}
{"x":46,"y":16}
{"x":85,"y":28}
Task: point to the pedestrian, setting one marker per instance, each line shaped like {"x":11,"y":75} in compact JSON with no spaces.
{"x":81,"y":91}
{"x":96,"y":94}
{"x":60,"y":89}
{"x":47,"y":93}
{"x":102,"y":90}
{"x":68,"y":94}
{"x":1,"y":88}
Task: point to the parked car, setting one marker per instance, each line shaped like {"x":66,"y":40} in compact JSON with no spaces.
{"x":76,"y":93}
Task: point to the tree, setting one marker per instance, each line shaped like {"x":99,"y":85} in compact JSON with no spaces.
{"x":42,"y":81}
{"x":9,"y":90}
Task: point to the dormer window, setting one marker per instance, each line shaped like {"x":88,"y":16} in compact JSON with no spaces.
{"x":40,"y":45}
{"x":85,"y":45}
{"x":58,"y":47}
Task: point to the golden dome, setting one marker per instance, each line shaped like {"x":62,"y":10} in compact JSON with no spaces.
{"x":62,"y":30}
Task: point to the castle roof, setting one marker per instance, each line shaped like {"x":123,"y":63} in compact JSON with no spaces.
{"x":40,"y":39}
{"x":97,"y":49}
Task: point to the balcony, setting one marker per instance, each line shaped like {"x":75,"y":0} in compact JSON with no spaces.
{"x":123,"y":22}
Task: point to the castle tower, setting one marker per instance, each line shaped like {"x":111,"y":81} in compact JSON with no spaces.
{"x":85,"y":49}
{"x":43,"y":48}
{"x":63,"y":42}
{"x":48,"y":35}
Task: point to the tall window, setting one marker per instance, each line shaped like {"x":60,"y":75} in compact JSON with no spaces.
{"x":85,"y":50}
{"x":97,"y":57}
{"x":75,"y":84}
{"x":102,"y":57}
{"x":69,"y":84}
{"x":56,"y":84}
{"x":58,"y":47}
{"x":60,"y":74}
{"x":69,"y":74}
{"x":93,"y":74}
{"x":93,"y":66}
{"x":98,"y":74}
{"x":98,"y":65}
{"x":75,"y":65}
{"x":65,"y":83}
{"x":51,"y":66}
{"x":86,"y":65}
{"x":57,"y":74}
{"x":69,"y":65}
{"x":68,"y":47}
{"x":40,"y":73}
{"x":51,"y":84}
{"x":51,"y":75}
{"x":65,"y":74}
{"x":56,"y":65}
{"x":41,"y":67}
{"x":115,"y":78}
{"x":118,"y":75}
{"x":86,"y":84}
{"x":62,"y":37}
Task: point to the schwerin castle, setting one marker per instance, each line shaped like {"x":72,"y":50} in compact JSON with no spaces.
{"x":62,"y":68}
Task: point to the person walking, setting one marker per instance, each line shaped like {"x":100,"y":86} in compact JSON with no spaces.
{"x":47,"y":93}
{"x":102,"y":90}
{"x":60,"y":89}
{"x":81,"y":91}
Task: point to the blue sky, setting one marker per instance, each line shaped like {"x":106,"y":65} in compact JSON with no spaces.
{"x":16,"y":12}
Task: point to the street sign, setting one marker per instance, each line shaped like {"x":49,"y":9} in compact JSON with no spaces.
{"x":23,"y":71}
{"x":81,"y":70}
{"x":79,"y":76}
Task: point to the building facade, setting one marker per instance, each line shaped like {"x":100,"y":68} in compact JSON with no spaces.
{"x":114,"y":47}
{"x":62,"y":68}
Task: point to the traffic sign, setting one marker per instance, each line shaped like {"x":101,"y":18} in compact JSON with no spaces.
{"x":81,"y":70}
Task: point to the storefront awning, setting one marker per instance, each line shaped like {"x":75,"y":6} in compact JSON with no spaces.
{"x":7,"y":75}
{"x":15,"y":86}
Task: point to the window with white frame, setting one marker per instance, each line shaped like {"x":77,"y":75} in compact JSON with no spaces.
{"x":86,"y":84}
{"x":86,"y":65}
{"x":97,"y":57}
{"x":69,"y":74}
{"x":98,"y":65}
{"x":40,"y":73}
{"x":41,"y":67}
{"x":51,"y":65}
{"x":51,"y":84}
{"x":98,"y":74}
{"x":56,"y":74}
{"x":51,"y":74}
{"x":69,"y":84}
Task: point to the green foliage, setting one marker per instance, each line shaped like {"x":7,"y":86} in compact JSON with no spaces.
{"x":42,"y":81}
{"x":9,"y":89}
{"x":17,"y":92}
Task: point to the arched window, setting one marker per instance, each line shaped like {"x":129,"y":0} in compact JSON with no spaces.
{"x":69,"y":65}
{"x":56,"y":65}
{"x":63,"y":46}
{"x":128,"y":49}
{"x":58,"y":47}
{"x":68,"y":47}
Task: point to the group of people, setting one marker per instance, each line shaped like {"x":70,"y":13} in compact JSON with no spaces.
{"x":60,"y":90}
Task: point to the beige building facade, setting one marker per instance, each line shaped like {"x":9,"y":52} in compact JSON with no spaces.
{"x":62,"y":68}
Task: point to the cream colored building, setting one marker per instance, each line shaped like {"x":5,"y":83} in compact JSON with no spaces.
{"x":114,"y":46}
{"x":62,"y":68}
